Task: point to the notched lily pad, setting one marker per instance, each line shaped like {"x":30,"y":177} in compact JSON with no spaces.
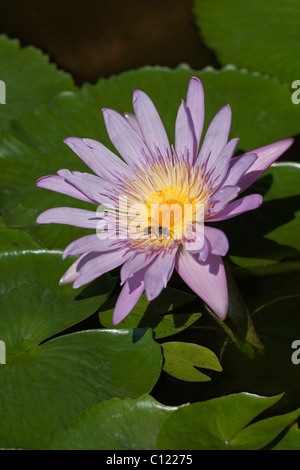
{"x":182,"y":360}
{"x":224,"y":423}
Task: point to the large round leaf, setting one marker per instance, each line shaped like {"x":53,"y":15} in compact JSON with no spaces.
{"x":130,"y":424}
{"x":48,"y":387}
{"x":261,"y":36}
{"x":29,"y":78}
{"x":262,"y":113}
{"x":33,"y":306}
{"x":16,"y":239}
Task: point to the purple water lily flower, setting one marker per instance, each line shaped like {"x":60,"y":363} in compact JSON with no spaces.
{"x":178,"y":190}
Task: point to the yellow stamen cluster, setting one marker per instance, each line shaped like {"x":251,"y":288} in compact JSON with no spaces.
{"x":163,"y":202}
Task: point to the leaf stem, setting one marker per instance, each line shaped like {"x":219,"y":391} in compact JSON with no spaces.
{"x":226,"y":329}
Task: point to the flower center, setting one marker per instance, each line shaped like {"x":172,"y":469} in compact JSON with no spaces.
{"x":164,"y":203}
{"x":167,"y":218}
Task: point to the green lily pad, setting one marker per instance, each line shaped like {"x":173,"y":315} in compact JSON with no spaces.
{"x":129,"y":424}
{"x":261,"y":36}
{"x":33,"y":306}
{"x":291,"y":440}
{"x":182,"y":360}
{"x":262,"y":433}
{"x":165,"y":315}
{"x":16,"y":239}
{"x":217,"y":424}
{"x":262,"y":113}
{"x":29,"y":79}
{"x":49,"y":386}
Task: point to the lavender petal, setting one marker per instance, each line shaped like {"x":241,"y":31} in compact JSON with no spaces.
{"x":244,"y":204}
{"x":207,"y":280}
{"x":195,"y":103}
{"x":151,"y":124}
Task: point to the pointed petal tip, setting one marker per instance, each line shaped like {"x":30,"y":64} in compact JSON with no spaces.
{"x":69,"y":276}
{"x":281,"y":145}
{"x":260,"y":198}
{"x":287,"y":143}
{"x":219,"y":308}
{"x":194,"y":78}
{"x":221,"y":313}
{"x":289,"y":140}
{"x":225,"y":110}
{"x":108,"y":112}
{"x":38,"y":181}
{"x":78,"y":283}
{"x":207,"y":280}
{"x":150,"y":296}
{"x":62,"y":282}
{"x":141,"y":95}
{"x":196,"y":81}
{"x":46,"y":217}
{"x":69,"y":141}
{"x":116,"y":321}
{"x":40,"y":219}
{"x":137,"y":93}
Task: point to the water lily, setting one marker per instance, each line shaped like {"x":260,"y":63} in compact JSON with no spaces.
{"x":178,"y":189}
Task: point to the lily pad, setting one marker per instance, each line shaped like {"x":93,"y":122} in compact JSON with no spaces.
{"x":183,"y":359}
{"x":49,"y":386}
{"x":29,"y":79}
{"x":129,"y":424}
{"x":261,"y":36}
{"x":33,"y":307}
{"x":262,"y":433}
{"x":222,"y":423}
{"x":16,"y":239}
{"x":291,"y":440}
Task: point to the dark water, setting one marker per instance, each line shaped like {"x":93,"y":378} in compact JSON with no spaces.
{"x":93,"y":39}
